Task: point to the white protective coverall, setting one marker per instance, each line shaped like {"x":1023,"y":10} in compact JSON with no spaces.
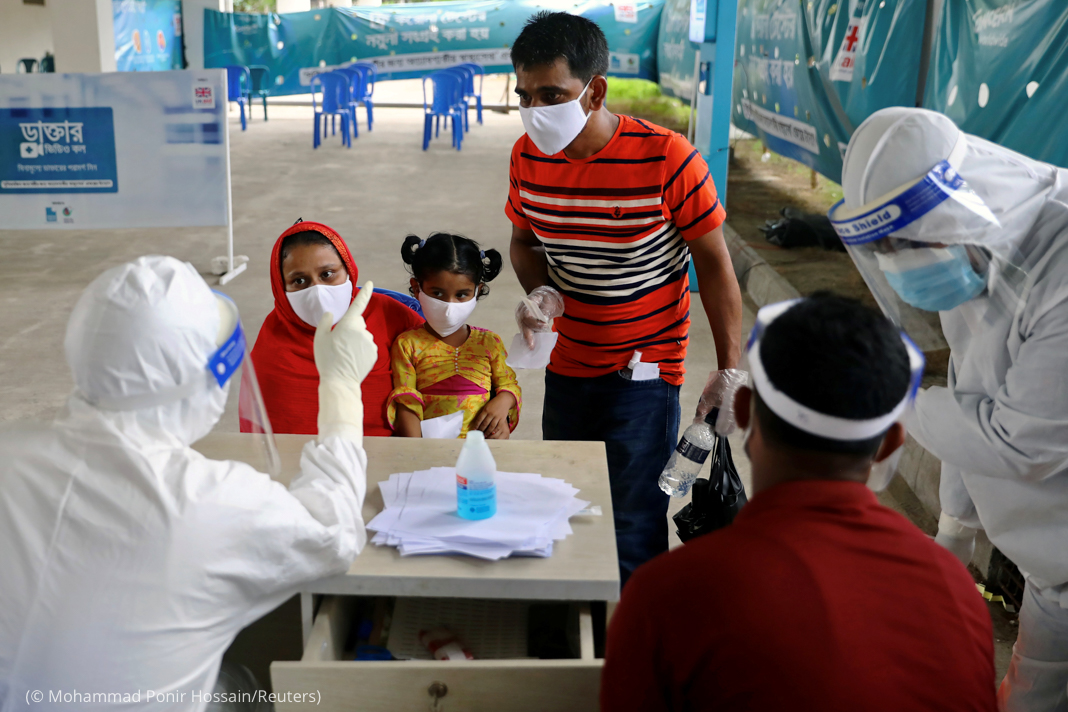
{"x":129,"y":561}
{"x":1000,"y":427}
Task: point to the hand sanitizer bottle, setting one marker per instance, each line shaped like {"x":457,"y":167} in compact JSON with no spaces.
{"x":476,"y":493}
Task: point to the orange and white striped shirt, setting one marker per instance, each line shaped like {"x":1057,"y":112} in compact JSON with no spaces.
{"x":614,"y":227}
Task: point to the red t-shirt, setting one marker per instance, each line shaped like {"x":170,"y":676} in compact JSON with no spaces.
{"x":816,"y":599}
{"x":614,"y":227}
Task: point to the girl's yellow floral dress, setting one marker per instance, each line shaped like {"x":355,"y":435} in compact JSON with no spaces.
{"x":433,"y":379}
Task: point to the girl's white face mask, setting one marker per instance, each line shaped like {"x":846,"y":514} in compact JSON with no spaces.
{"x":446,"y":317}
{"x":553,"y":128}
{"x":310,"y":304}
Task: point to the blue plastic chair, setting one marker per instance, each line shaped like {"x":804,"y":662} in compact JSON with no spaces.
{"x":355,"y":77}
{"x":261,"y":85}
{"x":447,"y":95}
{"x":367,"y":98}
{"x":335,"y":102}
{"x":239,"y":88}
{"x":467,"y":79}
{"x":405,"y":299}
{"x":477,"y":94}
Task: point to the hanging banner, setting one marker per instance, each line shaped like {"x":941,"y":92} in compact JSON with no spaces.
{"x":148,"y":35}
{"x":806,"y":74}
{"x":412,"y":40}
{"x":999,"y":69}
{"x":113,"y":150}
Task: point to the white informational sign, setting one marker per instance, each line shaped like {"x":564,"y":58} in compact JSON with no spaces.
{"x":697,"y":20}
{"x":796,"y":132}
{"x":624,"y":62}
{"x":846,"y":59}
{"x":626,"y":12}
{"x":123,"y":149}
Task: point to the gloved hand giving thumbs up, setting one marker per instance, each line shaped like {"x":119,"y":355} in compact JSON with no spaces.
{"x":344,"y":355}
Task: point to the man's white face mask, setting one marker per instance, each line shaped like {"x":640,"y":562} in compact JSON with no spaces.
{"x":310,"y":304}
{"x":553,"y":128}
{"x":446,"y":317}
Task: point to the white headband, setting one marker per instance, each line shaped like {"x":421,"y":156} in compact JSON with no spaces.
{"x":826,"y":426}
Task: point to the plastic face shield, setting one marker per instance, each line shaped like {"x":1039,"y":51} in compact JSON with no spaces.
{"x":233,"y":354}
{"x":916,"y":246}
{"x":829,"y":426}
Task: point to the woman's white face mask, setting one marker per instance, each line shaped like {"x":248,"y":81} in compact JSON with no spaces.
{"x":553,"y":128}
{"x":310,"y":304}
{"x":446,"y":317}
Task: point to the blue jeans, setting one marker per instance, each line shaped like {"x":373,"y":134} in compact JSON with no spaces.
{"x":638,"y":421}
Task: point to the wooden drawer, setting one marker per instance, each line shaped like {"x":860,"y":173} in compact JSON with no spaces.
{"x":416,"y":685}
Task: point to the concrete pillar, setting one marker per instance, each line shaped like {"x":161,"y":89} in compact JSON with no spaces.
{"x":193,"y":28}
{"x":293,"y":6}
{"x":83,"y":33}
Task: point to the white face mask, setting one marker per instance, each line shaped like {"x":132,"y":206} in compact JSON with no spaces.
{"x":310,"y":304}
{"x":553,"y":128}
{"x":446,"y":317}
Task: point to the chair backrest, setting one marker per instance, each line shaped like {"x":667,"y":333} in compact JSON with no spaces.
{"x":477,"y":69}
{"x":28,"y":65}
{"x":356,"y":76}
{"x":261,"y":78}
{"x":235,"y":75}
{"x":448,"y":91}
{"x":407,"y":300}
{"x":336,"y":91}
{"x":372,"y":77}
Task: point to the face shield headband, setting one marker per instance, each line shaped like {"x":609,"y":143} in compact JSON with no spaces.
{"x":808,"y":420}
{"x":900,"y":208}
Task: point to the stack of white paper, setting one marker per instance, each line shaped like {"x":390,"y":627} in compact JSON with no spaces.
{"x":420,"y":515}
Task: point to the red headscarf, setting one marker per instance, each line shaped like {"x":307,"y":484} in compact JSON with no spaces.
{"x":284,"y":355}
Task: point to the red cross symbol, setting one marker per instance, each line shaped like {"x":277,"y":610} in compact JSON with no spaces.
{"x":851,"y":38}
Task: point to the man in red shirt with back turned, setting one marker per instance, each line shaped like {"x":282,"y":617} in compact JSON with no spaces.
{"x":607,"y":212}
{"x":817,"y":598}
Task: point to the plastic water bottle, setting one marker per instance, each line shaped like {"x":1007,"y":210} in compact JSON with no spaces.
{"x":476,"y":493}
{"x":689,"y":456}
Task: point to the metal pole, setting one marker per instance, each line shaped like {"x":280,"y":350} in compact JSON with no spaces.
{"x":930,"y":27}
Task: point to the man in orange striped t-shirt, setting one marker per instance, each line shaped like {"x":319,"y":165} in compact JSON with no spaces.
{"x":607,"y":211}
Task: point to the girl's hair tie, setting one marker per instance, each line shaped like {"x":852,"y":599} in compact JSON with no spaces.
{"x":482,"y":254}
{"x":422,"y":242}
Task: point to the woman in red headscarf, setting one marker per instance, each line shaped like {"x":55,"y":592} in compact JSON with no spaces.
{"x":312,"y":272}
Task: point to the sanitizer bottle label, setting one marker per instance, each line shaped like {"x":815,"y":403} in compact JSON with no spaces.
{"x":475,"y":500}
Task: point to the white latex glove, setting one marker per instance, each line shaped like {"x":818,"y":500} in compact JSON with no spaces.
{"x":955,"y":537}
{"x":536,"y":312}
{"x":344,"y":356}
{"x":719,"y":393}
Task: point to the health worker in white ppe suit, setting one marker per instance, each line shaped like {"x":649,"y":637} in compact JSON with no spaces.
{"x":942,"y":221}
{"x":130,"y":561}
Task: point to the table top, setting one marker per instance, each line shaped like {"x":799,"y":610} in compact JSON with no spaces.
{"x":583,"y":567}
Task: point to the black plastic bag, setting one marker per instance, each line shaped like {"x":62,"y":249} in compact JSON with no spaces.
{"x":801,"y":229}
{"x":716,"y":500}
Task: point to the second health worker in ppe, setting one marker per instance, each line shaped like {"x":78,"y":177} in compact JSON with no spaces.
{"x":939,"y":220}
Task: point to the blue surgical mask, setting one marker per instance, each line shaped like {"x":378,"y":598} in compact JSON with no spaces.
{"x":932,"y":278}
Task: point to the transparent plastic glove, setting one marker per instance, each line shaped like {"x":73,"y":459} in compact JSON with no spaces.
{"x":955,"y":537}
{"x":536,"y":312}
{"x":344,"y":356}
{"x":719,"y":393}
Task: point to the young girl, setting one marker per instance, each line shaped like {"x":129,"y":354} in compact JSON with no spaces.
{"x":445,"y":366}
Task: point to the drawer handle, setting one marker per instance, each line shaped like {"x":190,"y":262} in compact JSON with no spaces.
{"x":437,"y":690}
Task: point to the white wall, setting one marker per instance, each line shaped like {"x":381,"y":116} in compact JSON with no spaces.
{"x":293,"y":5}
{"x":25,"y":31}
{"x":193,"y":28}
{"x":84,"y":35}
